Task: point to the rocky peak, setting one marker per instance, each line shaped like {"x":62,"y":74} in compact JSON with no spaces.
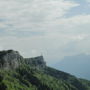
{"x":36,"y":61}
{"x":10,"y":59}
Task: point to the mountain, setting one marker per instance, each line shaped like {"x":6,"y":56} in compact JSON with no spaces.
{"x":18,"y":73}
{"x":77,"y":65}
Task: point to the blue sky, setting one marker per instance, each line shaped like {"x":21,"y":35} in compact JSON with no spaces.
{"x":55,"y":28}
{"x":83,"y":8}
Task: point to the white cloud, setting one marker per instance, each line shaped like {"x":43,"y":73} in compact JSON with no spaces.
{"x":24,"y":15}
{"x":45,"y":17}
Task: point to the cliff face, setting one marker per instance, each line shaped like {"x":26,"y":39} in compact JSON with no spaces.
{"x":11,"y":59}
{"x":36,"y":61}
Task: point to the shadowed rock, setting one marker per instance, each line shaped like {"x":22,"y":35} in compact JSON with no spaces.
{"x":11,"y":59}
{"x":36,"y":61}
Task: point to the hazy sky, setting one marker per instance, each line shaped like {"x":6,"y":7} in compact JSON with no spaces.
{"x":54,"y":28}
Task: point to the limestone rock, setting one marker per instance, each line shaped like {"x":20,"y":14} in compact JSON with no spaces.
{"x":10,"y":59}
{"x":36,"y":61}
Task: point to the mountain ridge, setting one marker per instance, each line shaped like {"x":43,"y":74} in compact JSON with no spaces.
{"x":18,"y":73}
{"x":11,"y":58}
{"x":77,"y":65}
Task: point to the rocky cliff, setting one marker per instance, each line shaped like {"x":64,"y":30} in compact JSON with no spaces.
{"x":11,"y":59}
{"x":36,"y":61}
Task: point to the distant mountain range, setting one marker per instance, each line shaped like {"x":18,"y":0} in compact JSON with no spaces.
{"x":18,"y":73}
{"x":78,"y":65}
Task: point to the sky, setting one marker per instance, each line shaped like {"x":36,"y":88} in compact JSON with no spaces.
{"x":52,"y":28}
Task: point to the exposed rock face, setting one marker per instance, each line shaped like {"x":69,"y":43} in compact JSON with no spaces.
{"x":10,"y":59}
{"x":37,"y":62}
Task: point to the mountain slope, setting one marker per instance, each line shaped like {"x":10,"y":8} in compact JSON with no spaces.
{"x":77,"y":65}
{"x":34,"y":74}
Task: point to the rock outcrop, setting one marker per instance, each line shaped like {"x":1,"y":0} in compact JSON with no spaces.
{"x":36,"y":61}
{"x":11,"y":59}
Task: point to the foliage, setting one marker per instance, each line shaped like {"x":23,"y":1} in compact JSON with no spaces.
{"x":27,"y":78}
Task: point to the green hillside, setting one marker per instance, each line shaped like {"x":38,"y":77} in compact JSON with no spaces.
{"x":34,"y":74}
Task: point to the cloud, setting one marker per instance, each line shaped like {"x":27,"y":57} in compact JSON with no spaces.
{"x":1,"y":48}
{"x":26,"y":15}
{"x":41,"y":26}
{"x":88,"y":1}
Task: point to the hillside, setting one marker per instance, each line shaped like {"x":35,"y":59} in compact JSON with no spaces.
{"x":18,"y":73}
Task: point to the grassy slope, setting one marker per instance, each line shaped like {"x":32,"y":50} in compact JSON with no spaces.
{"x":26,"y":78}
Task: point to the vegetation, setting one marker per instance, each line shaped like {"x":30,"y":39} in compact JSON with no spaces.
{"x":33,"y":74}
{"x":26,"y":78}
